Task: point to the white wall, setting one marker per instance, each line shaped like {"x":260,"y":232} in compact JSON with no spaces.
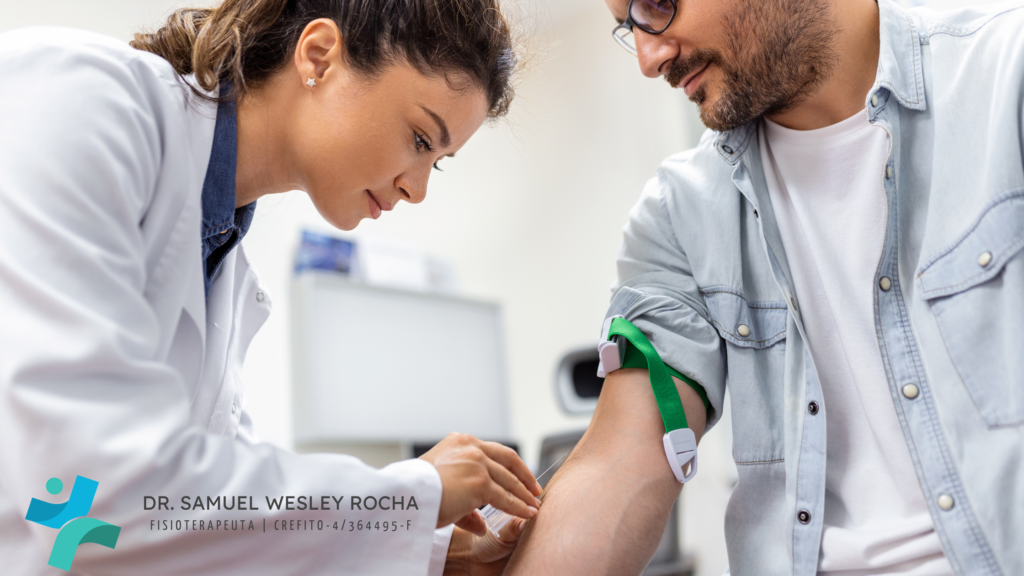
{"x":118,"y":18}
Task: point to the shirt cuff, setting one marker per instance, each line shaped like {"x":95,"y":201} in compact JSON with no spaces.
{"x":439,"y":553}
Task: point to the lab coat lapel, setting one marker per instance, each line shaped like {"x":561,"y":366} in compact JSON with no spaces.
{"x":202,"y":116}
{"x":195,"y":297}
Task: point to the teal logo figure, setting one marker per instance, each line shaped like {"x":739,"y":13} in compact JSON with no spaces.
{"x":70,"y":518}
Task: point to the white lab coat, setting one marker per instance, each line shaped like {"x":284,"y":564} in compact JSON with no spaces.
{"x":113,"y":364}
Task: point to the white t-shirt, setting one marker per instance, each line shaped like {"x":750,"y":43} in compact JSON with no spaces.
{"x":826,"y":187}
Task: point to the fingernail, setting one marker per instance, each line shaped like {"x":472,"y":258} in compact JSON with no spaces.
{"x":538,"y":502}
{"x":533,"y":511}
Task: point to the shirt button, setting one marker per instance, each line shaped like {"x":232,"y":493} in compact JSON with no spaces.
{"x":726,"y":149}
{"x":804,"y":516}
{"x":888,"y":172}
{"x":792,"y":302}
{"x":260,"y":296}
{"x":910,"y":391}
{"x":945,"y":502}
{"x":985,"y":259}
{"x":743,"y":330}
{"x":812,"y":408}
{"x":874,"y":99}
{"x":234,"y":407}
{"x":885,"y":283}
{"x":224,"y":232}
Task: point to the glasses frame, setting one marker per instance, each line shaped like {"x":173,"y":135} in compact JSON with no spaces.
{"x":629,"y":24}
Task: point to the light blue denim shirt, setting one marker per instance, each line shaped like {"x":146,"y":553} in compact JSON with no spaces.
{"x":702,"y":255}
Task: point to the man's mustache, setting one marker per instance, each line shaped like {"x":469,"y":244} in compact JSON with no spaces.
{"x":684,"y":66}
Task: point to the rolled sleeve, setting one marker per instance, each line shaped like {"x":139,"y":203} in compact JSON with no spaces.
{"x":656,"y":291}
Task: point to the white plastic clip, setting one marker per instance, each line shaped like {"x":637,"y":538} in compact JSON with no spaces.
{"x":680,"y":448}
{"x":610,"y":352}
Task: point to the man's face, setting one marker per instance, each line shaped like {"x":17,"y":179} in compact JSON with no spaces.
{"x":740,"y":59}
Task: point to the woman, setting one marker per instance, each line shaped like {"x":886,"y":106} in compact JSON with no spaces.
{"x":127,"y":179}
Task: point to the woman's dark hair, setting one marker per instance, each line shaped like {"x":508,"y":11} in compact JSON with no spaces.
{"x":247,"y":41}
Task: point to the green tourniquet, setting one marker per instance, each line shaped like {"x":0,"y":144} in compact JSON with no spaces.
{"x":665,"y":393}
{"x":634,"y":359}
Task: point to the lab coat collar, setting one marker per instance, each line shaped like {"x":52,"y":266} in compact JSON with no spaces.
{"x":202,"y":114}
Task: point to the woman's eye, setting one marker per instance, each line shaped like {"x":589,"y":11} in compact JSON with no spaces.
{"x":421,"y":143}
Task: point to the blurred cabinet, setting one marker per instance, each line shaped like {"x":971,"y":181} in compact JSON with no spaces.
{"x":382,"y":365}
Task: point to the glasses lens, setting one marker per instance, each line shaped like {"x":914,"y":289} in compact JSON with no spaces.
{"x":624,"y":36}
{"x":652,"y":16}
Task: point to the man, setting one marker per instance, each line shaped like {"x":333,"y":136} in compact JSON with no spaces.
{"x":844,"y":250}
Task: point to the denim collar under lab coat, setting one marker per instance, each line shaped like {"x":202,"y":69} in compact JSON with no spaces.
{"x":223,"y":224}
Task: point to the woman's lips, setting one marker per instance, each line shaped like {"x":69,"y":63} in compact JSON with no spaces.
{"x":375,"y":208}
{"x":690,"y":86}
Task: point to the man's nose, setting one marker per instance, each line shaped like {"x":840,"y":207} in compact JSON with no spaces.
{"x":655,"y":52}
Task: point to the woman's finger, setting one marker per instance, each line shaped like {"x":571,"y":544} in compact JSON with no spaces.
{"x":503,"y":500}
{"x":511,"y":484}
{"x":508,"y":458}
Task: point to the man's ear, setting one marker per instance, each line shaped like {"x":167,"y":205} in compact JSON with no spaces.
{"x":320,"y":51}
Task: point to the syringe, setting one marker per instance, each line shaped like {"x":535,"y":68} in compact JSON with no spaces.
{"x":498,"y":519}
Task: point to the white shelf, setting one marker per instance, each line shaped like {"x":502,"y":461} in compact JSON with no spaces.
{"x":376,"y":364}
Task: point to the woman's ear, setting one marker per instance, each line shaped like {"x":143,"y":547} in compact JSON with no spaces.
{"x":320,"y":52}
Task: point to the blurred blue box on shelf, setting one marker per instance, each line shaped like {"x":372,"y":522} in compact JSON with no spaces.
{"x":320,"y":252}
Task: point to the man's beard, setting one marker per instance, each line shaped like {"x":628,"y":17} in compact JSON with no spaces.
{"x":779,"y":52}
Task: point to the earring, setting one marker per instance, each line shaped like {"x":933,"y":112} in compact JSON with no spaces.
{"x":311,"y":82}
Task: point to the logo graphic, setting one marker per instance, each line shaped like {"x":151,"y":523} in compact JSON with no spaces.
{"x":70,"y":518}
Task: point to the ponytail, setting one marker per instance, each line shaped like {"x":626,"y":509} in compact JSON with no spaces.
{"x":211,"y":42}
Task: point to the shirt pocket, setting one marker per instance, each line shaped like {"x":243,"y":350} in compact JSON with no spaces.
{"x":975,"y":288}
{"x":754,"y":335}
{"x":746,"y":324}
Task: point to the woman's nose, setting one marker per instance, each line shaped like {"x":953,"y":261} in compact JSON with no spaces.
{"x":413,"y":189}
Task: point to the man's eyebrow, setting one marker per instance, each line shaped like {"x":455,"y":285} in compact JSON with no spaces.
{"x":446,"y":137}
{"x":620,"y":21}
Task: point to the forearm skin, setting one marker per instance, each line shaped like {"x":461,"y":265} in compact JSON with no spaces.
{"x":605,"y":510}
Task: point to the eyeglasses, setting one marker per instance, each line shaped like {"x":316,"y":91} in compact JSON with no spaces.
{"x":651,"y":16}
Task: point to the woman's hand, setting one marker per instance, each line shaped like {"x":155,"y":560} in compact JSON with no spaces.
{"x":487,"y":555}
{"x":474,"y":473}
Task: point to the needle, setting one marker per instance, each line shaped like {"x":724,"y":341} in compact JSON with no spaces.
{"x":550,"y":468}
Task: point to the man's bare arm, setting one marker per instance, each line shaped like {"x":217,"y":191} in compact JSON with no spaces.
{"x":606,"y":508}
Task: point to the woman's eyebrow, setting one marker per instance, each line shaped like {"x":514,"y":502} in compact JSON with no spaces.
{"x":446,"y":137}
